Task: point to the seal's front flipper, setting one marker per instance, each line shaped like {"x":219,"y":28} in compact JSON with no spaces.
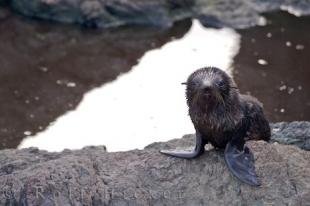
{"x":241,"y":164}
{"x":199,"y":149}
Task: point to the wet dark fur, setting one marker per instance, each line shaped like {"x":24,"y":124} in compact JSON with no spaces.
{"x":224,"y":111}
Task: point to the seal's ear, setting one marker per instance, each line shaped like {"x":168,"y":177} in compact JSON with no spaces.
{"x":184,"y":83}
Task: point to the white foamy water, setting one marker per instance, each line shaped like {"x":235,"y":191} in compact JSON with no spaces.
{"x":291,"y":10}
{"x":146,"y":104}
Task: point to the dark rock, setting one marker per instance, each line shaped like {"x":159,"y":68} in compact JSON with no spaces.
{"x":3,"y":2}
{"x":4,"y":11}
{"x":103,"y":13}
{"x":290,"y":133}
{"x":233,"y":13}
{"x":112,"y":13}
{"x":243,"y":13}
{"x":92,"y":176}
{"x":294,"y":133}
{"x":3,"y":14}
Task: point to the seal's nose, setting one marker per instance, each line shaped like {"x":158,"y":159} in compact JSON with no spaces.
{"x":207,"y":90}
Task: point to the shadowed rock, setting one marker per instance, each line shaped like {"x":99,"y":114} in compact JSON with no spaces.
{"x":92,"y":176}
{"x":112,"y":13}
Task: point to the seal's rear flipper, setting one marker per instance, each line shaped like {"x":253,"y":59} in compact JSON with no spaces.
{"x":241,"y":164}
{"x":199,"y":149}
{"x":181,"y":154}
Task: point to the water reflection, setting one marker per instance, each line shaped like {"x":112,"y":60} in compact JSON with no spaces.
{"x":146,"y":104}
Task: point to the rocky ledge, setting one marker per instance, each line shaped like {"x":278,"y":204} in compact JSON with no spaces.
{"x":93,"y":176}
{"x":112,"y":13}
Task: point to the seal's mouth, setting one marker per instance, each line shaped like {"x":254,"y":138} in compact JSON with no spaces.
{"x":209,"y":91}
{"x":208,"y":98}
{"x":219,"y":98}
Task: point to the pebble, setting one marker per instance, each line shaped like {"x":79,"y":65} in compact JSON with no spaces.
{"x":262,"y":21}
{"x":262,"y":62}
{"x":300,"y":47}
{"x":44,"y":69}
{"x":290,"y":90}
{"x":27,"y":133}
{"x":71,"y":84}
{"x":283,"y":87}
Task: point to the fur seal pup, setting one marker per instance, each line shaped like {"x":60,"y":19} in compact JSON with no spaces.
{"x":226,"y":119}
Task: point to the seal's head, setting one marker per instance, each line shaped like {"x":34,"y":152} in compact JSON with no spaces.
{"x":210,"y":87}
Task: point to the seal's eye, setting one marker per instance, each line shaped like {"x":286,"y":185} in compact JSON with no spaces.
{"x":221,"y":84}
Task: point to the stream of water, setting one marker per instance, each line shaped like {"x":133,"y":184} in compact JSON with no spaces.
{"x":146,"y":104}
{"x":66,"y":87}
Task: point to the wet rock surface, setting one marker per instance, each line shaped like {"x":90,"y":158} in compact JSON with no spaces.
{"x":45,"y":69}
{"x":272,"y":65}
{"x":3,"y":2}
{"x":3,"y":14}
{"x":92,"y":176}
{"x":293,"y":133}
{"x":103,"y":13}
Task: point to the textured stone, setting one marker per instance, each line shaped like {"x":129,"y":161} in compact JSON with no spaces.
{"x":112,"y":13}
{"x":104,"y":13}
{"x":290,"y":133}
{"x":294,"y":133}
{"x":92,"y":176}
